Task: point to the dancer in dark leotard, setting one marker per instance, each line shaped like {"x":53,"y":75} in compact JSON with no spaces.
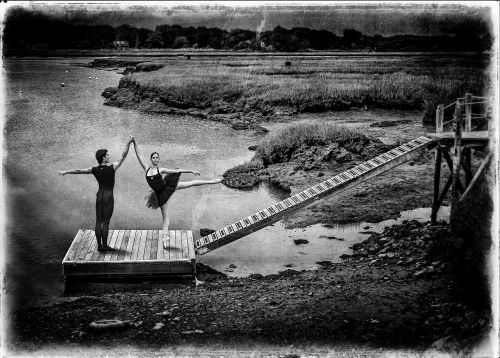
{"x":105,"y":175}
{"x":164,"y":183}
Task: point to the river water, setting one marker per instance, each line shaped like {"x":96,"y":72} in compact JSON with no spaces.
{"x":49,"y":127}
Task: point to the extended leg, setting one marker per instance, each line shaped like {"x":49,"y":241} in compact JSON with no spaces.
{"x":189,"y":184}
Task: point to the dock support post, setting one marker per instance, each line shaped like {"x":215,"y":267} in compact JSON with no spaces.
{"x":468,"y":128}
{"x":437,"y":178}
{"x":439,"y":118}
{"x":457,"y":150}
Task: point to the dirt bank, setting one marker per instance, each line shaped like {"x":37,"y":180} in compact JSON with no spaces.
{"x":394,"y":292}
{"x":131,"y":95}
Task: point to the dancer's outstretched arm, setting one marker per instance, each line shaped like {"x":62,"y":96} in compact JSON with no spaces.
{"x":177,"y":171}
{"x":75,"y":171}
{"x":139,"y":158}
{"x":117,"y":164}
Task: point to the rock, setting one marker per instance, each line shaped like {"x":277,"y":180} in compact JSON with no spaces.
{"x":421,"y":272}
{"x":158,"y":325}
{"x":448,"y":343}
{"x":332,"y":238}
{"x":256,"y":276}
{"x":324,"y":263}
{"x":148,"y":66}
{"x":300,"y":241}
{"x":205,"y":232}
{"x":109,"y":92}
{"x":344,"y":156}
{"x":109,"y":324}
{"x":329,"y":152}
{"x":253,"y":148}
{"x":128,"y":69}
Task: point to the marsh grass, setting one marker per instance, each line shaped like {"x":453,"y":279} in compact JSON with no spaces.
{"x":281,"y":144}
{"x":317,"y":84}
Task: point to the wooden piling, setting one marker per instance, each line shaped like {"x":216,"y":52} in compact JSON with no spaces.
{"x":457,"y":152}
{"x":439,"y":118}
{"x":437,"y":178}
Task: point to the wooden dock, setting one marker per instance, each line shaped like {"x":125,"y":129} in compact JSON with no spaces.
{"x":138,"y":254}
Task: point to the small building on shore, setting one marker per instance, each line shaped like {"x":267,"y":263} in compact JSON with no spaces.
{"x":120,"y":44}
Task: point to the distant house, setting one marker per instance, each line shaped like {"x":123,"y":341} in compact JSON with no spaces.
{"x":120,"y":44}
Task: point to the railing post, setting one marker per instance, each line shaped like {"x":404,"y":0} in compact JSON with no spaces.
{"x":439,"y":118}
{"x":489,"y":118}
{"x":468,"y":112}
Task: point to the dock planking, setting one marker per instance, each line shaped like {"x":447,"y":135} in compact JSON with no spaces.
{"x":137,"y":253}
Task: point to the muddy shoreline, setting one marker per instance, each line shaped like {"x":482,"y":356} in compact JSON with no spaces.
{"x":396,"y":291}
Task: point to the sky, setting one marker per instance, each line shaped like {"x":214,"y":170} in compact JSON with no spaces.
{"x":369,"y":18}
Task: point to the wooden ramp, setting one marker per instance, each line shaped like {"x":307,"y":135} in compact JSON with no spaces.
{"x":137,"y":254}
{"x":334,"y":185}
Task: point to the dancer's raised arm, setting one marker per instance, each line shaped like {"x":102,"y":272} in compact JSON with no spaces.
{"x":139,"y":158}
{"x":75,"y":171}
{"x":117,"y":164}
{"x":178,"y":171}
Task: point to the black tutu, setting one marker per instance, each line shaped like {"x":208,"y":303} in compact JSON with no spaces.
{"x":155,"y":199}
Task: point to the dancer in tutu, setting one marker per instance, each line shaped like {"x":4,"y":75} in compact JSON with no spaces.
{"x":164,"y":182}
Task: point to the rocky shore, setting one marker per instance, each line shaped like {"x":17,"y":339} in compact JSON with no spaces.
{"x":396,"y":291}
{"x":295,"y":169}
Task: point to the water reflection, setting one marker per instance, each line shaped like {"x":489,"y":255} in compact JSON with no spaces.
{"x":274,"y":249}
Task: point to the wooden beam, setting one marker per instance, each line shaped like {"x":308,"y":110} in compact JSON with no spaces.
{"x":483,"y":166}
{"x":445,"y":190}
{"x":448,"y":160}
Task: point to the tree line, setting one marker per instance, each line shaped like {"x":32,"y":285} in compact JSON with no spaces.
{"x":25,"y":29}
